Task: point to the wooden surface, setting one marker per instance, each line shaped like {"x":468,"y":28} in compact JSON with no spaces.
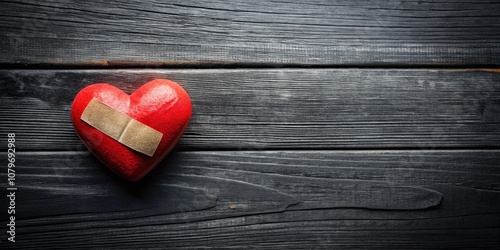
{"x":316,"y":125}
{"x":290,"y":32}
{"x":280,"y":108}
{"x":268,"y":199}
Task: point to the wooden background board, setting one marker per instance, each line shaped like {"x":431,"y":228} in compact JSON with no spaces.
{"x":279,"y":108}
{"x":410,"y":198}
{"x":316,"y":125}
{"x":290,"y":32}
{"x":269,"y":199}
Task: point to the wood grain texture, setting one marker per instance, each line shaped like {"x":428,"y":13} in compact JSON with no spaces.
{"x":277,"y":108}
{"x":340,"y":32}
{"x":268,"y":199}
{"x":274,"y":158}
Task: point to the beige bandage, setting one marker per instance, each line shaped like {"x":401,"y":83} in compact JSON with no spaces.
{"x":121,"y":127}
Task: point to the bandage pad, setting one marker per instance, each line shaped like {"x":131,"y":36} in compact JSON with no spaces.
{"x":121,"y":127}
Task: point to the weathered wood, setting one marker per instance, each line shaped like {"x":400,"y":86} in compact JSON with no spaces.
{"x":341,"y":32}
{"x":268,"y":199}
{"x":222,"y":187}
{"x":277,"y":108}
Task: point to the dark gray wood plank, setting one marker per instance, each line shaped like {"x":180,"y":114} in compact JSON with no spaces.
{"x":277,"y":108}
{"x":340,"y":32}
{"x":268,"y":199}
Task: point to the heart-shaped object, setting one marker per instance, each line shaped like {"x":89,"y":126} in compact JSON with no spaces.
{"x":131,"y":134}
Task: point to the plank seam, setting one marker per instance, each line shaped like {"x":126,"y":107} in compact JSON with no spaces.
{"x":194,"y":66}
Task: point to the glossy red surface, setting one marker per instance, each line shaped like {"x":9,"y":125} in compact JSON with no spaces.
{"x":161,"y":104}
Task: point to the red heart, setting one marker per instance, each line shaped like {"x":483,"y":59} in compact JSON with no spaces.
{"x":161,"y":104}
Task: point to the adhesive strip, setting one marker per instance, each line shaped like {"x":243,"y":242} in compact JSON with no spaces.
{"x":121,"y":127}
